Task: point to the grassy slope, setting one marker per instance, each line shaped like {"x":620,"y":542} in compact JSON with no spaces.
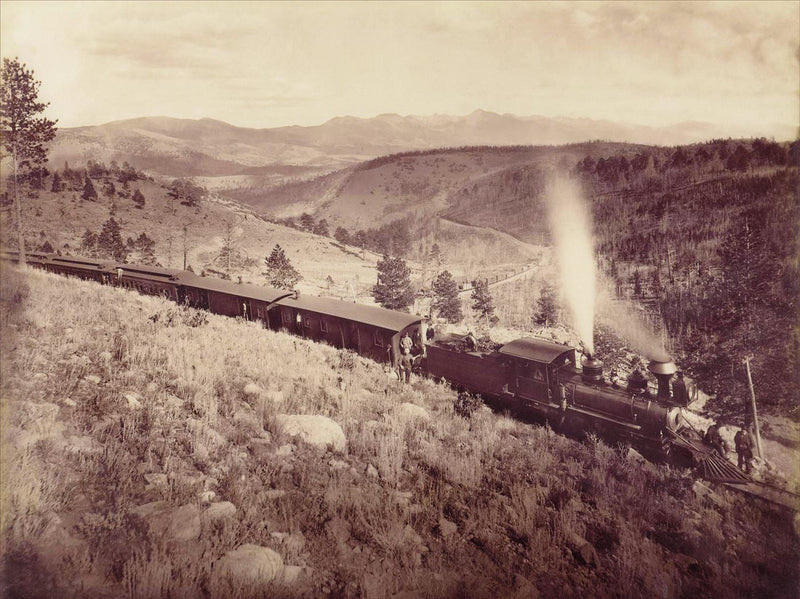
{"x":517,"y":493}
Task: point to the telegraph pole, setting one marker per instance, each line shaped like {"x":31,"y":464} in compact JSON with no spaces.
{"x":755,"y":410}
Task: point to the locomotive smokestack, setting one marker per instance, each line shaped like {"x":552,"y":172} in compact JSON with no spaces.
{"x":592,"y":368}
{"x":663,"y":372}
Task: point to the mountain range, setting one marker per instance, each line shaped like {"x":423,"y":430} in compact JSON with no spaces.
{"x":208,"y":147}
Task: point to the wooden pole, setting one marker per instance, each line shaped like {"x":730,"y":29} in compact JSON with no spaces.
{"x":755,"y":410}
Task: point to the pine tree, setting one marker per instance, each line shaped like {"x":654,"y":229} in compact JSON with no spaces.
{"x":280,"y":273}
{"x":482,"y":301}
{"x":24,"y":133}
{"x":89,"y":244}
{"x":307,"y":222}
{"x":109,"y":190}
{"x":342,"y":235}
{"x":393,"y":289}
{"x":321,"y":228}
{"x":187,"y":192}
{"x":445,"y":297}
{"x":145,"y":250}
{"x":546,"y":307}
{"x":637,"y":283}
{"x":89,"y":192}
{"x":56,"y":187}
{"x":109,"y":242}
{"x":138,"y":199}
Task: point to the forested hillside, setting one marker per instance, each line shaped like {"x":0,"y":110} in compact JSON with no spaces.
{"x":704,"y":235}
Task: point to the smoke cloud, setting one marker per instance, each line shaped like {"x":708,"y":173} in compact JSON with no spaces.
{"x":572,"y":234}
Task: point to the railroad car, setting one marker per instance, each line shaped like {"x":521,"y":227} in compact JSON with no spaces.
{"x":371,"y":331}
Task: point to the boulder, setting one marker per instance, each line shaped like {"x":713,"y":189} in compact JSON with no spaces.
{"x":249,"y":565}
{"x":285,"y":450}
{"x":412,"y":411}
{"x":133,"y":401}
{"x":220,"y":510}
{"x":316,"y":430}
{"x":253,"y":390}
{"x":582,"y":549}
{"x":175,"y":524}
{"x":447,"y":528}
{"x":93,"y":378}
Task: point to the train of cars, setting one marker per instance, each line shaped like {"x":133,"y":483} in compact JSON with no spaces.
{"x":529,"y":377}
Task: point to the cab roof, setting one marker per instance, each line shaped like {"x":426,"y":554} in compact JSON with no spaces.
{"x":534,"y":349}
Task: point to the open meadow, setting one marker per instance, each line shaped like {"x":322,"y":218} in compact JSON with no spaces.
{"x":150,"y":450}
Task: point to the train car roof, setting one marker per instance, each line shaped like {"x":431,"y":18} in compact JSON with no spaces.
{"x":371,"y":315}
{"x":79,"y":261}
{"x":536,"y":350}
{"x":266,"y":294}
{"x":156,"y":272}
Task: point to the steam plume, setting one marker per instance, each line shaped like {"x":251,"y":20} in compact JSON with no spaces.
{"x":569,"y":223}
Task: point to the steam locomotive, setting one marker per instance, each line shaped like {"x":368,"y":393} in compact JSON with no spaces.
{"x":529,"y":377}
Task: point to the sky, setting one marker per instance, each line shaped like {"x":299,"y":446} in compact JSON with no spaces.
{"x":269,"y":64}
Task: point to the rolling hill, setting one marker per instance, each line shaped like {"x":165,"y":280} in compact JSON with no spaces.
{"x":181,"y":147}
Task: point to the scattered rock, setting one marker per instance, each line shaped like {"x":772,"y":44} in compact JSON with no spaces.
{"x":205,"y":432}
{"x":338,"y":464}
{"x":156,"y":479}
{"x":134,"y":401}
{"x":200,"y":451}
{"x":635,"y":457}
{"x":339,"y":530}
{"x":207,"y":497}
{"x":248,"y":565}
{"x":82,"y":444}
{"x":412,"y":537}
{"x":175,"y":524}
{"x":248,"y":421}
{"x":261,"y":448}
{"x":220,"y":510}
{"x":701,"y":490}
{"x":316,"y":430}
{"x":290,"y":574}
{"x":410,"y":410}
{"x":253,"y":390}
{"x":93,"y":378}
{"x":372,"y":471}
{"x":284,"y":450}
{"x":524,"y":588}
{"x":447,"y":528}
{"x":68,"y":402}
{"x":173,"y":404}
{"x":583,"y":550}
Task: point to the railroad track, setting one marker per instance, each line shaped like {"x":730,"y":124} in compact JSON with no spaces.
{"x":715,"y":468}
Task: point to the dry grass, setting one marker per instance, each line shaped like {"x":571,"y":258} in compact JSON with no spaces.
{"x":82,"y":459}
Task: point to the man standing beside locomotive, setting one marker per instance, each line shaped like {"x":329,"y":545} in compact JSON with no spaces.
{"x":744,"y":449}
{"x":679,"y":394}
